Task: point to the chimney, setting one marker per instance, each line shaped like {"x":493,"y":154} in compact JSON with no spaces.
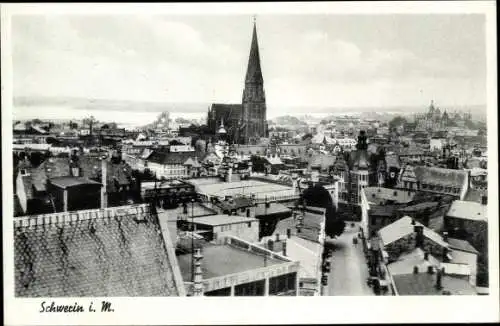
{"x":104,"y":173}
{"x":277,"y":237}
{"x":198,"y":276}
{"x":413,"y":221}
{"x":270,"y":245}
{"x":439,"y":282}
{"x":284,"y":248}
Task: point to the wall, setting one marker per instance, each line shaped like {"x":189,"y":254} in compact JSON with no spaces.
{"x":463,"y":257}
{"x":240,"y":230}
{"x":86,"y":196}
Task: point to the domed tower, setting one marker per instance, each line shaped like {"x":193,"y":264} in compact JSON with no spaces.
{"x":362,"y":173}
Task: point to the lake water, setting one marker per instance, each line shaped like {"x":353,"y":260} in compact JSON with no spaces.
{"x":125,"y":119}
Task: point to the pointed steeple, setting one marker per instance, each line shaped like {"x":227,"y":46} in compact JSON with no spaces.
{"x":254,"y":73}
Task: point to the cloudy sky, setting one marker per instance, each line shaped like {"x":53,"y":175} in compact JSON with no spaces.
{"x":316,"y":60}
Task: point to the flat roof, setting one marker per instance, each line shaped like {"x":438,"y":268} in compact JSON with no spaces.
{"x":240,"y":187}
{"x":215,"y":220}
{"x":220,"y":260}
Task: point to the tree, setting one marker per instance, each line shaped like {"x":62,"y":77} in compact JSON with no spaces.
{"x":396,"y":122}
{"x":318,"y":196}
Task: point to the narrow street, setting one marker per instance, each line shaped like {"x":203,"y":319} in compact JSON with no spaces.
{"x":349,"y":269}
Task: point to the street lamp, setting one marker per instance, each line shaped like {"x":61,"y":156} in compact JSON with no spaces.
{"x":192,"y":240}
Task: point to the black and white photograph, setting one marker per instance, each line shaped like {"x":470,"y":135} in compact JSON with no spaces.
{"x":159,"y":151}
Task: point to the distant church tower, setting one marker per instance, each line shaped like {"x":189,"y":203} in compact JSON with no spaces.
{"x":254,"y":100}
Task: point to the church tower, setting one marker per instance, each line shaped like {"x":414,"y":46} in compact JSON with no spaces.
{"x":254,"y":100}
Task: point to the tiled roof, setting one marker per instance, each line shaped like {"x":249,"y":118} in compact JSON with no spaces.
{"x":406,"y":263}
{"x":57,"y":255}
{"x":468,"y":210}
{"x":440,"y":176}
{"x":403,"y":227}
{"x":424,"y":284}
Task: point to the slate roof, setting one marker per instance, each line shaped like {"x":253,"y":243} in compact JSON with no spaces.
{"x":424,"y":284}
{"x":403,"y":227}
{"x":468,"y":210}
{"x":440,"y":176}
{"x":57,"y":256}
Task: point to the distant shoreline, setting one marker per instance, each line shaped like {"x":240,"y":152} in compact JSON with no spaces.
{"x":146,"y":112}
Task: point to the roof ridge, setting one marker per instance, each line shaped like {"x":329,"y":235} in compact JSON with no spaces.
{"x":81,"y":215}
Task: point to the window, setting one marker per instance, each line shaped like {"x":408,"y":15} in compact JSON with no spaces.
{"x":23,"y":172}
{"x":249,"y":224}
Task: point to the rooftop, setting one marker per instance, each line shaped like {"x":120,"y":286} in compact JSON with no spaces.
{"x":403,"y":227}
{"x":378,"y":194}
{"x":440,"y":176}
{"x":98,"y":253}
{"x":406,"y":262}
{"x":67,"y":182}
{"x":220,"y":260}
{"x":215,"y":220}
{"x":424,"y":284}
{"x":419,"y":206}
{"x":240,"y":187}
{"x":462,"y":245}
{"x":468,"y":210}
{"x":274,"y":208}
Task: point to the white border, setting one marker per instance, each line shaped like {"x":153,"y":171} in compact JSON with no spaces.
{"x":260,"y":310}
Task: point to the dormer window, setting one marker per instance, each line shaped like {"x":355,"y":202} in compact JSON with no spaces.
{"x":23,"y":172}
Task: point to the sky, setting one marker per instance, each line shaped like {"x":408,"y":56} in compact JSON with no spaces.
{"x":307,"y":60}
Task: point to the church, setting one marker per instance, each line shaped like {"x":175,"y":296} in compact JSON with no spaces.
{"x":243,"y":123}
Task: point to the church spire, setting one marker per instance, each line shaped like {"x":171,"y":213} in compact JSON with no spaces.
{"x":254,"y":73}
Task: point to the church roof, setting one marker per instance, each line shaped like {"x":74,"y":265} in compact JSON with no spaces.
{"x":254,"y":72}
